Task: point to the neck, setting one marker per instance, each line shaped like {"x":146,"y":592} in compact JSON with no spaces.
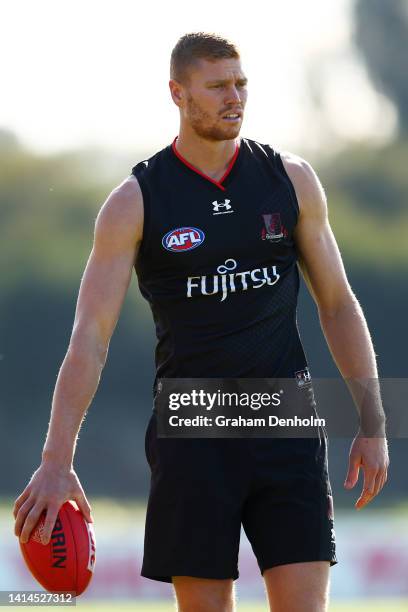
{"x":208,"y":156}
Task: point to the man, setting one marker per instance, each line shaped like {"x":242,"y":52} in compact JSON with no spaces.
{"x":216,"y":226}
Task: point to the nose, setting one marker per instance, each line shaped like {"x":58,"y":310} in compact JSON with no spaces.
{"x":233,"y":95}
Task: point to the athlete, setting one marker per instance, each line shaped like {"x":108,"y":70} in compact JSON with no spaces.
{"x":217,"y":227}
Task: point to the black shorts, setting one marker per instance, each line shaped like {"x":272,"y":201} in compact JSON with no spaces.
{"x":203,"y":489}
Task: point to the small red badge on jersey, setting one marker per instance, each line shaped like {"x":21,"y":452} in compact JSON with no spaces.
{"x":273,"y":230}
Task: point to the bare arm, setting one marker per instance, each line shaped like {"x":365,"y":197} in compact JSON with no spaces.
{"x":117,"y":236}
{"x":102,"y":291}
{"x":341,"y":318}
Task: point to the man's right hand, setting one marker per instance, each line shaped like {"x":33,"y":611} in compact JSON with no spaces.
{"x":49,"y":488}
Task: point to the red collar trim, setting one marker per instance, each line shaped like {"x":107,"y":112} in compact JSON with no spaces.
{"x":224,"y":176}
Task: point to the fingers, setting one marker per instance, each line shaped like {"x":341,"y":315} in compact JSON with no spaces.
{"x":379,"y":482}
{"x":353,"y":471}
{"x":84,"y":506}
{"x":20,"y":516}
{"x":20,"y":500}
{"x":374,"y":480}
{"x":49,"y":523}
{"x":382,"y":479}
{"x":31,"y":521}
{"x":368,"y":489}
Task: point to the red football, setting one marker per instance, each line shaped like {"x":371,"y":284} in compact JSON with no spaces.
{"x":67,"y":562}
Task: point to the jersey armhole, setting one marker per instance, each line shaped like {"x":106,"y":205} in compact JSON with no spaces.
{"x":289,"y":183}
{"x":146,"y":214}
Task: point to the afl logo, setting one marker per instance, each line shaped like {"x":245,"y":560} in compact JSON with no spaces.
{"x":183,"y":239}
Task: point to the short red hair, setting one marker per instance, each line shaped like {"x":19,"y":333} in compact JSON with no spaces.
{"x":195,"y":46}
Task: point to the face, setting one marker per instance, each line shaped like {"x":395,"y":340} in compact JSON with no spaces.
{"x":212,"y":102}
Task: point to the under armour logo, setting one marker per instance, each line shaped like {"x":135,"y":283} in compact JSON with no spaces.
{"x":226,"y":207}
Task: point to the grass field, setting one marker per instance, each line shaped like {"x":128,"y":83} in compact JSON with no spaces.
{"x":358,"y":606}
{"x":390,"y":605}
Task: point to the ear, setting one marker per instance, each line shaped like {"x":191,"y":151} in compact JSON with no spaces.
{"x":177,"y":92}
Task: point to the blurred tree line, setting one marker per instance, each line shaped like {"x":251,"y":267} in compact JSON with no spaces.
{"x":48,"y":205}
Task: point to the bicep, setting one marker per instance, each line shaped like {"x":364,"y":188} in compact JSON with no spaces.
{"x":101,"y":294}
{"x":318,"y":254}
{"x":109,"y":268}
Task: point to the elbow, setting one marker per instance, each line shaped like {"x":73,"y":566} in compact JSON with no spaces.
{"x":331,"y":309}
{"x":85,"y":348}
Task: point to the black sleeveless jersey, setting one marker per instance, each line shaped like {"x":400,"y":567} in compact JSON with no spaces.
{"x":217,"y":264}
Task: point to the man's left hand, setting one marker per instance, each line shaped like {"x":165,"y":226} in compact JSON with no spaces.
{"x":370,"y":454}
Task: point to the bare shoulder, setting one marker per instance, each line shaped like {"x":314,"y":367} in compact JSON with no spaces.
{"x":309,"y":190}
{"x":121,"y":215}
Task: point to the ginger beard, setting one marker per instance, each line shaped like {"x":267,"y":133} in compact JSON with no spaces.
{"x":208,"y":127}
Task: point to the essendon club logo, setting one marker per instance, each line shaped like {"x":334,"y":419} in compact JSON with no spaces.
{"x":183,"y":239}
{"x":273,"y":230}
{"x":303,"y":377}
